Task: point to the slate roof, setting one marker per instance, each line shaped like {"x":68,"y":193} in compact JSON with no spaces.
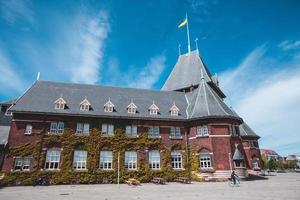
{"x":186,"y":72}
{"x":204,"y":102}
{"x":4,"y":131}
{"x":41,"y":96}
{"x":246,"y":131}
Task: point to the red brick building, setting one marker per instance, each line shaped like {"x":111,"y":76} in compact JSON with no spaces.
{"x":188,"y":128}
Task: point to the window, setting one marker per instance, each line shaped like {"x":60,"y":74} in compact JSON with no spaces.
{"x":59,"y":104}
{"x":107,"y":129}
{"x":253,"y":144}
{"x":131,"y":108}
{"x":57,"y":127}
{"x":239,"y":163}
{"x":153,"y":109}
{"x":28,"y":129}
{"x":175,"y":132}
{"x":255,"y":163}
{"x":154,"y":160}
{"x":205,"y":161}
{"x":153,"y":131}
{"x":131,"y":131}
{"x":8,"y":113}
{"x":109,"y":106}
{"x":79,"y":161}
{"x":174,"y":110}
{"x":52,"y":159}
{"x":83,"y":128}
{"x":22,"y":164}
{"x":84,"y":105}
{"x":130,"y":160}
{"x":176,"y":159}
{"x":106,"y":159}
{"x":202,"y":131}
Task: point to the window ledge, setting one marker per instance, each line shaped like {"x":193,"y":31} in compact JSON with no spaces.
{"x":131,"y":136}
{"x":51,"y":133}
{"x":200,"y":136}
{"x":82,"y":134}
{"x":27,"y":133}
{"x":176,"y":137}
{"x":80,"y":170}
{"x":107,"y":170}
{"x":105,"y":135}
{"x":154,"y":137}
{"x":20,"y":171}
{"x":50,"y":170}
{"x":181,"y":169}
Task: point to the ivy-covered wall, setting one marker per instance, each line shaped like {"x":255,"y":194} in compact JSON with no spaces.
{"x":93,"y":144}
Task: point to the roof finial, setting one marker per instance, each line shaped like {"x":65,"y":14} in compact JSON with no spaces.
{"x":196,"y":41}
{"x":179,"y":49}
{"x":38,"y":76}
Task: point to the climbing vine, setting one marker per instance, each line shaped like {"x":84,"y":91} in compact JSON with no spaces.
{"x":93,"y":144}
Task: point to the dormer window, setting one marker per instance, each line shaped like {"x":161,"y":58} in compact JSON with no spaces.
{"x":109,"y":106}
{"x":131,"y":108}
{"x":174,"y":110}
{"x":85,"y":105}
{"x":60,"y":104}
{"x":153,"y":109}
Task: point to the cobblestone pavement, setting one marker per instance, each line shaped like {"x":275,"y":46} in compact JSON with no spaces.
{"x":281,"y":186}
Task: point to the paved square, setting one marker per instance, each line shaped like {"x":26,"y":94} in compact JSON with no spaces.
{"x":282,"y":186}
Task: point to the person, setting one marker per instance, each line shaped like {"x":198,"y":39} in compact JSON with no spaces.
{"x":234,"y":177}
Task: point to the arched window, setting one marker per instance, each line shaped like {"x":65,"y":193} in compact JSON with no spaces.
{"x":255,"y":164}
{"x":205,"y":159}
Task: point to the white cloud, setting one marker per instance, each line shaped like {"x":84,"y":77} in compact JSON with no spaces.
{"x":266,"y":93}
{"x":13,"y":10}
{"x":149,"y":75}
{"x":146,"y":77}
{"x":289,"y":45}
{"x":89,"y":44}
{"x":10,"y":80}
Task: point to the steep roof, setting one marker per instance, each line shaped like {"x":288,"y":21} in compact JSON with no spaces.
{"x":237,"y":155}
{"x":186,"y":72}
{"x":204,"y":102}
{"x":47,"y":92}
{"x":246,"y":131}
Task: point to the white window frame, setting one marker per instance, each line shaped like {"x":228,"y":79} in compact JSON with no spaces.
{"x":107,"y":129}
{"x":131,"y":130}
{"x":153,"y":109}
{"x":175,"y":132}
{"x":23,"y":163}
{"x":255,"y":164}
{"x":109,"y":106}
{"x":202,"y":131}
{"x":205,"y":161}
{"x":57,"y":128}
{"x":83,"y":128}
{"x":154,"y":159}
{"x":8,"y":113}
{"x":52,"y":159}
{"x":154,"y":132}
{"x":28,"y":129}
{"x":84,"y":107}
{"x":79,"y":160}
{"x":174,"y":110}
{"x":59,"y":104}
{"x":176,"y":159}
{"x":130,"y":160}
{"x":106,"y":160}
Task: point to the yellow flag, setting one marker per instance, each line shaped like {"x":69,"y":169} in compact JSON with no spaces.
{"x":182,"y":23}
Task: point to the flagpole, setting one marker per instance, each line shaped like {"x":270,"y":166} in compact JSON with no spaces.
{"x":188,"y":34}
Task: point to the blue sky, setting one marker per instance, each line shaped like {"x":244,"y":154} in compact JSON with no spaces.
{"x":253,"y":46}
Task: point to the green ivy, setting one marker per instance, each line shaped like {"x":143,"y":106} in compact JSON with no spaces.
{"x":94,"y":143}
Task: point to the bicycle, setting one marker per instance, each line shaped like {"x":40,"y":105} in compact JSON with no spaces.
{"x":232,"y":184}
